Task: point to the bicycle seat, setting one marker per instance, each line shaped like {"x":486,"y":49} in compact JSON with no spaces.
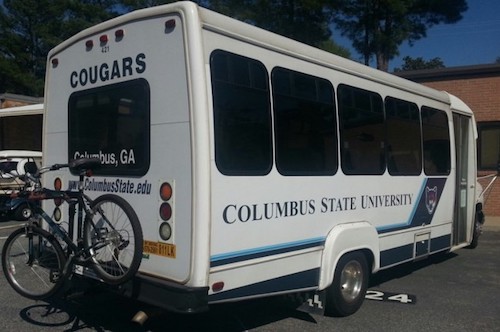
{"x":84,"y":164}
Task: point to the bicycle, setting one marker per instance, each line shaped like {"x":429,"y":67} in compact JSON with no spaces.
{"x":108,"y":237}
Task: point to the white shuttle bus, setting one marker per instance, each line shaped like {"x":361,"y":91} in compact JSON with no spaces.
{"x":257,"y":165}
{"x":21,"y":128}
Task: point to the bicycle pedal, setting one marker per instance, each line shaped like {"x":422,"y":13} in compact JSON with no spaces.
{"x":54,"y":276}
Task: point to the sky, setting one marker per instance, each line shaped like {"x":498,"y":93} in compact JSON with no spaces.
{"x":473,"y":40}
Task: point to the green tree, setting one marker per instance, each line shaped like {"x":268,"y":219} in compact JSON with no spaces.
{"x":302,"y":20}
{"x":129,"y":5}
{"x":30,"y":28}
{"x":419,"y":63}
{"x":26,"y":35}
{"x":378,"y":27}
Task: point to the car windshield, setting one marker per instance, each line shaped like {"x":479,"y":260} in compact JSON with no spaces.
{"x":8,"y":166}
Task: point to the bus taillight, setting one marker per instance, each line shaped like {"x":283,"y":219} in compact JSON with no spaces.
{"x":165,"y":231}
{"x":119,"y":34}
{"x":166,"y":211}
{"x":166,"y":191}
{"x":103,"y":39}
{"x":58,"y":186}
{"x":170,"y":24}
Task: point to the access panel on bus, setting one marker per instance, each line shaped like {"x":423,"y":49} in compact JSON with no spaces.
{"x":118,"y":92}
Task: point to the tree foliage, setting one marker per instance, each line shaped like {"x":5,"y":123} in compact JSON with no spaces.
{"x":419,"y":64}
{"x":30,"y":28}
{"x":378,"y":27}
{"x":302,"y":20}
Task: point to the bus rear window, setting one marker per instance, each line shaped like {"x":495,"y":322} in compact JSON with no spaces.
{"x":112,"y":123}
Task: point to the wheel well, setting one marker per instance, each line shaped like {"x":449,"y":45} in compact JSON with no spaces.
{"x":347,"y":238}
{"x":369,"y":258}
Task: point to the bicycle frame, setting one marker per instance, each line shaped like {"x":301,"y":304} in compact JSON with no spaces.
{"x":101,"y":235}
{"x":79,"y":204}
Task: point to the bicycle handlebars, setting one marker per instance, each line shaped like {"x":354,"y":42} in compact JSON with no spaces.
{"x":80,"y":166}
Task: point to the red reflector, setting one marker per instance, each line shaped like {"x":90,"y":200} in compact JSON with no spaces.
{"x":89,"y":44}
{"x":57,"y":184}
{"x":119,"y":33}
{"x":55,"y":62}
{"x":170,"y":24}
{"x":218,"y":286}
{"x":103,"y":39}
{"x":166,"y":191}
{"x":165,"y":211}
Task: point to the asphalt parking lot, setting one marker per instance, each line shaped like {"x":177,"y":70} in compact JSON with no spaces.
{"x":454,"y":292}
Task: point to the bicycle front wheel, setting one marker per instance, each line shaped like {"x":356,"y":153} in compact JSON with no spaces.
{"x":33,"y":263}
{"x":113,"y":235}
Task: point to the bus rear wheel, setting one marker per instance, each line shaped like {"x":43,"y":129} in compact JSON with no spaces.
{"x":347,"y":292}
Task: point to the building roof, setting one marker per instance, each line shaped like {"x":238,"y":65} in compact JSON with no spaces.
{"x":19,"y":98}
{"x":451,"y":73}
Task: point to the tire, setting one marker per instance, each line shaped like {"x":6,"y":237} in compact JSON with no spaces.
{"x":347,"y":292}
{"x":33,"y":263}
{"x":477,"y":231}
{"x":23,"y":212}
{"x":114,"y":236}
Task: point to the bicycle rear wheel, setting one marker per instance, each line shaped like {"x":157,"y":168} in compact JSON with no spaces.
{"x":114,"y":237}
{"x":33,"y":263}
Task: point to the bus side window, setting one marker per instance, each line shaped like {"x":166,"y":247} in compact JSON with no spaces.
{"x":305,"y":124}
{"x":242,"y":115}
{"x":362,"y":131}
{"x":404,"y":148}
{"x":436,"y":142}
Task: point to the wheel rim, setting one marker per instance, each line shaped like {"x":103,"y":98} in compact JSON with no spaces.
{"x":26,"y":213}
{"x":351,"y":281}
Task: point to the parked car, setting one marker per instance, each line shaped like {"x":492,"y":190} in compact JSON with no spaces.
{"x":12,"y":164}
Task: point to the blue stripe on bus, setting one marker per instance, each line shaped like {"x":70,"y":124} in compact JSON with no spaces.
{"x":253,"y":253}
{"x":301,"y":280}
{"x":419,"y":214}
{"x":405,"y":252}
{"x":386,"y":228}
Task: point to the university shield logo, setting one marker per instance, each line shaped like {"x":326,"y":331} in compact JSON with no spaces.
{"x":430,"y":198}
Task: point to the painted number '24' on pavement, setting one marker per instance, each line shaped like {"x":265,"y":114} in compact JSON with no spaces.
{"x":385,"y":296}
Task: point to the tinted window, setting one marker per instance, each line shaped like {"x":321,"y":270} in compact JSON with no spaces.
{"x":112,"y":123}
{"x":29,"y":125}
{"x":488,"y":145}
{"x":362,"y":130}
{"x":436,"y":142}
{"x":305,"y":126}
{"x":404,"y":152}
{"x":242,"y":115}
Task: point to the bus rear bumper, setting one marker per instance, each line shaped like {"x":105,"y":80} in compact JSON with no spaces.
{"x":166,"y":294}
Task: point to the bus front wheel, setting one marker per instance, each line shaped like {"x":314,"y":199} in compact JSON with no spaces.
{"x":346,"y":293}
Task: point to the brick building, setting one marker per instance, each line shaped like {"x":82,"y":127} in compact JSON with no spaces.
{"x":479,"y":87}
